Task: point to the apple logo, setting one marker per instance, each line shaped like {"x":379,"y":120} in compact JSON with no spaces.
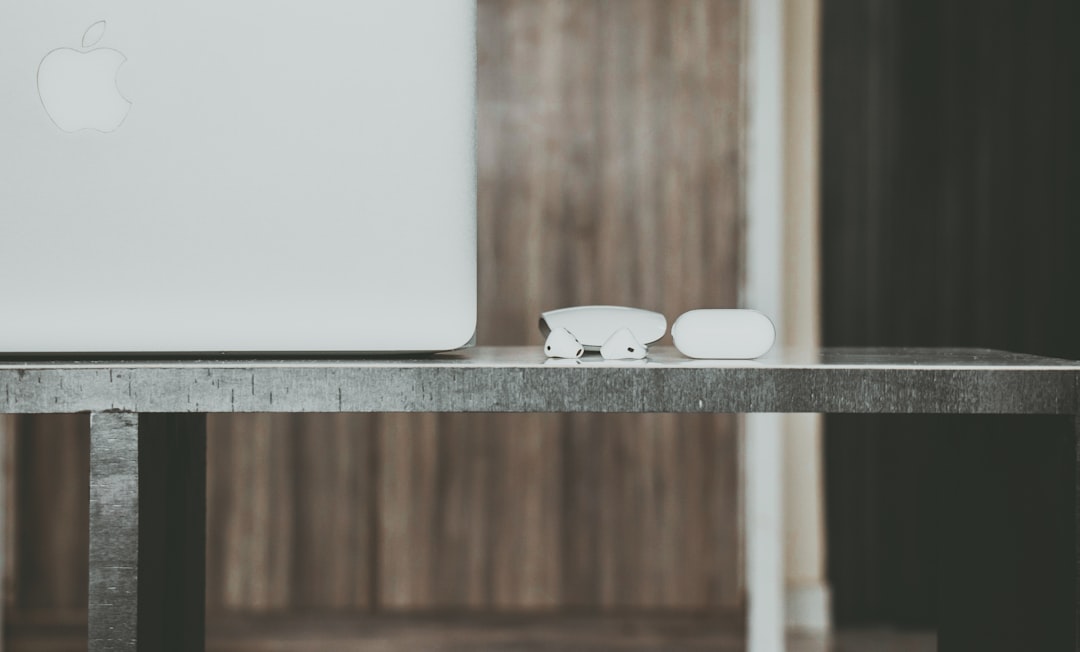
{"x":78,"y":87}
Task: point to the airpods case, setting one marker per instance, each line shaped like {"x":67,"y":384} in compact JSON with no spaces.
{"x":723,"y":334}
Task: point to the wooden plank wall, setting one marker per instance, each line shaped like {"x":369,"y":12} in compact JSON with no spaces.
{"x":610,"y":163}
{"x":47,"y":522}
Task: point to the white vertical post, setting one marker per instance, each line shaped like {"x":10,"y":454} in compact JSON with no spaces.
{"x":763,"y":450}
{"x":807,"y":602}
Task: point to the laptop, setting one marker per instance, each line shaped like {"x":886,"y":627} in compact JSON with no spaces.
{"x":238,"y":177}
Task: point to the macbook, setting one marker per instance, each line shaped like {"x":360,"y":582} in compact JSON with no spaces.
{"x":243,"y":176}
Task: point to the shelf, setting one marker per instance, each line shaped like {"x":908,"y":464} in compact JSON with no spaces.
{"x":520,"y":379}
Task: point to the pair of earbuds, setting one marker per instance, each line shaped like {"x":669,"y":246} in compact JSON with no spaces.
{"x":620,"y":333}
{"x":622,"y":345}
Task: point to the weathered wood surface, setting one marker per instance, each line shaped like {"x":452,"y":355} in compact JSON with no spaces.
{"x":469,"y":512}
{"x":114,"y":532}
{"x":290,"y":512}
{"x":147,"y":532}
{"x":519,"y":379}
{"x":47,"y":515}
{"x":482,"y":512}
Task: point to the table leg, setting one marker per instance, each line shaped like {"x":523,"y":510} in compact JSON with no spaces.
{"x":147,"y":532}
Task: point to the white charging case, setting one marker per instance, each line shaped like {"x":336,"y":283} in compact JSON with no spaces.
{"x":723,"y":334}
{"x":593,"y":325}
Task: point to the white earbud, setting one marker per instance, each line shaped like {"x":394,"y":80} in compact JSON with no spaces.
{"x":561,"y":344}
{"x":622,"y":345}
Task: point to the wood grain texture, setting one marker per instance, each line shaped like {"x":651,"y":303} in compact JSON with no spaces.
{"x":615,"y":126}
{"x":610,"y":157}
{"x":51,"y":528}
{"x":250,"y":511}
{"x":114,"y":533}
{"x":520,"y":379}
{"x":648,"y":522}
{"x":610,"y":172}
{"x":290,"y":512}
{"x":469,"y":512}
{"x":334,"y":540}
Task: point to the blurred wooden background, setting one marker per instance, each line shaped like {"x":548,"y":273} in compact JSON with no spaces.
{"x":610,"y":167}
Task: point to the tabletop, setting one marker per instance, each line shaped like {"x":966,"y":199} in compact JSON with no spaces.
{"x":521,"y":379}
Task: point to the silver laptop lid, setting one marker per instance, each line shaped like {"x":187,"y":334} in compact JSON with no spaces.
{"x":237,"y":176}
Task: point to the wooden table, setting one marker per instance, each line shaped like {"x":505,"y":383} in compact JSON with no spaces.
{"x":148,"y":440}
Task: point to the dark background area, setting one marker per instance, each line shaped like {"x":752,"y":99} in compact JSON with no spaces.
{"x":951,"y":173}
